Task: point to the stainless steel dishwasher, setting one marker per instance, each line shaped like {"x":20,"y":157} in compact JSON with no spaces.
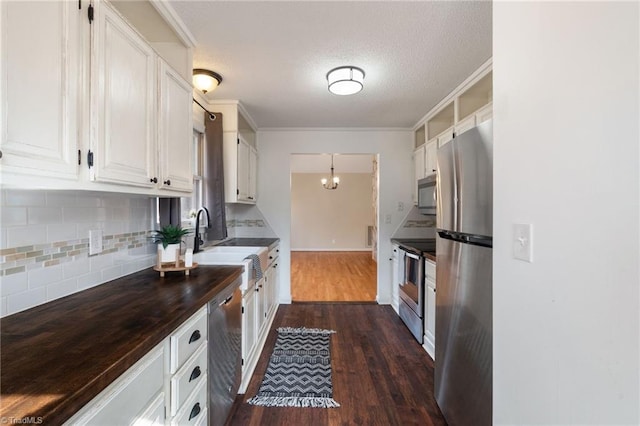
{"x":225,"y":352}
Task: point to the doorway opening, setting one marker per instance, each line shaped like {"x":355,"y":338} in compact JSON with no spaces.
{"x":334,"y":231}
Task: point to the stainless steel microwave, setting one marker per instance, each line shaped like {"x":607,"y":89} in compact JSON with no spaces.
{"x":427,"y":195}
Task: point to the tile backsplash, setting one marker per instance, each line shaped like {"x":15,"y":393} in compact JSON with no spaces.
{"x":44,"y":243}
{"x":247,"y":221}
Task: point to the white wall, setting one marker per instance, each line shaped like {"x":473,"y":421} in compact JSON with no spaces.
{"x":566,"y":159}
{"x":331,"y":219}
{"x":274,"y":196}
{"x":44,"y":238}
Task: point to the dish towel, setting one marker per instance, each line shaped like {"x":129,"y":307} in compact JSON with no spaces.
{"x":255,"y":262}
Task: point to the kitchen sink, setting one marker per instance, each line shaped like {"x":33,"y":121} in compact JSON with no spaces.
{"x":224,"y":255}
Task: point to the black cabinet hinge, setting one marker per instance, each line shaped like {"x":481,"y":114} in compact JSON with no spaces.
{"x":237,"y":192}
{"x":238,"y":141}
{"x":90,"y":13}
{"x":79,"y":157}
{"x":243,"y":309}
{"x":90,"y":159}
{"x":242,"y":361}
{"x":79,"y":4}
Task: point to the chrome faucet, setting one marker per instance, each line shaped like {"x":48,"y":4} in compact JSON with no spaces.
{"x":197,"y":241}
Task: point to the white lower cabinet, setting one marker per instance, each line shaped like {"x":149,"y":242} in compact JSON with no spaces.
{"x":130,"y":399}
{"x":194,"y":411}
{"x":154,"y":414}
{"x":397,"y":270}
{"x":167,"y":386}
{"x":186,"y":373}
{"x":259,"y":303}
{"x":430,"y":308}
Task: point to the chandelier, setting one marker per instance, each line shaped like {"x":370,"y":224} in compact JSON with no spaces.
{"x":333,"y":181}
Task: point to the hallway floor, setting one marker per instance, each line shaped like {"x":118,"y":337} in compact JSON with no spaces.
{"x":381,"y":375}
{"x":333,"y":276}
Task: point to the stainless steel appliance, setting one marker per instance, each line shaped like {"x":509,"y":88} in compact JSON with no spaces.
{"x":427,"y":195}
{"x":411,"y":293}
{"x":463,"y":373}
{"x":225,"y":356}
{"x":412,"y":286}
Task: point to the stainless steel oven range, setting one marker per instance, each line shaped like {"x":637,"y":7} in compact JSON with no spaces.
{"x":411,"y":306}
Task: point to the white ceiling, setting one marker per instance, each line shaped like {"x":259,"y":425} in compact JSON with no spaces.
{"x":274,"y":56}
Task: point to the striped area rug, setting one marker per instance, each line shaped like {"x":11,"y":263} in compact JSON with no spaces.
{"x":299,"y":371}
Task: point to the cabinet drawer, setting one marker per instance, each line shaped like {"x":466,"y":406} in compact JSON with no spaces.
{"x":188,"y":338}
{"x":273,"y":254}
{"x":195,"y":409}
{"x":430,"y":271}
{"x":123,"y":401}
{"x":188,"y":378}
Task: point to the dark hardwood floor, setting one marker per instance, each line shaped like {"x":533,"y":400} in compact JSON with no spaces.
{"x":381,"y":375}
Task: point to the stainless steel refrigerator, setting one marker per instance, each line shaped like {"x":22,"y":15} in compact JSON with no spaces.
{"x":463,"y":361}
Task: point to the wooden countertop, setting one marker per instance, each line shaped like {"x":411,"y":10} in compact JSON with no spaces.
{"x":58,"y":356}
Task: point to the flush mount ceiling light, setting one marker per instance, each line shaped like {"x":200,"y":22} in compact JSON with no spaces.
{"x":205,"y":80}
{"x":345,"y":80}
{"x":333,"y":181}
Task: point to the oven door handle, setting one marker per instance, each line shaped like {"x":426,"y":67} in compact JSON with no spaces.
{"x":413,"y":256}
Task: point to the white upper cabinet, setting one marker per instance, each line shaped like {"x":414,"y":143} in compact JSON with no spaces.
{"x":123,"y":102}
{"x":253,"y":174}
{"x":464,"y":108}
{"x":243,"y":169}
{"x":41,"y":71}
{"x":90,"y":103}
{"x":431,"y":157}
{"x":240,"y":154}
{"x":418,"y":170}
{"x":175,"y":130}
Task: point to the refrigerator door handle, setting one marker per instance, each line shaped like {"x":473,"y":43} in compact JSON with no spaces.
{"x":411,"y":255}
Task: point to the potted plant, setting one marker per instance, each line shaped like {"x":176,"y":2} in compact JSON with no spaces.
{"x":169,"y":237}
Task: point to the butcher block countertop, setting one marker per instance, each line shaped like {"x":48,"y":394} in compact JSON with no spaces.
{"x":56,"y":357}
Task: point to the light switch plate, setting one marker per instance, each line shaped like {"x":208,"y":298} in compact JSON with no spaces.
{"x":387,"y":218}
{"x":523,"y":241}
{"x":95,"y":242}
{"x":400,"y":206}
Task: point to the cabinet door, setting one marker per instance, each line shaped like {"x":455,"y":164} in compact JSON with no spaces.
{"x":431,"y":157}
{"x":445,"y":136}
{"x":484,"y":113}
{"x":175,"y":130}
{"x":260,"y":304}
{"x":248,"y":323}
{"x":418,"y":170}
{"x":41,"y":63}
{"x":270,"y":290}
{"x":253,"y":174}
{"x":430,"y":320}
{"x":466,"y":124}
{"x":123,"y":102}
{"x":243,"y":170}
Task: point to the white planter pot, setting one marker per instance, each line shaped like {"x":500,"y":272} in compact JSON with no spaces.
{"x":168,"y":254}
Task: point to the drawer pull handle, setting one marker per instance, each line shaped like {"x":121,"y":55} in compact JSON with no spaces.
{"x":194,"y":411}
{"x":195,"y":373}
{"x":195,"y":336}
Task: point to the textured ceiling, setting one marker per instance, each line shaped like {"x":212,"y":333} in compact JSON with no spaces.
{"x":274,"y":56}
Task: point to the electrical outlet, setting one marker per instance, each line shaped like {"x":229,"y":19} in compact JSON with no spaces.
{"x":95,"y":242}
{"x":400,"y":206}
{"x":523,"y":242}
{"x":387,"y":219}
